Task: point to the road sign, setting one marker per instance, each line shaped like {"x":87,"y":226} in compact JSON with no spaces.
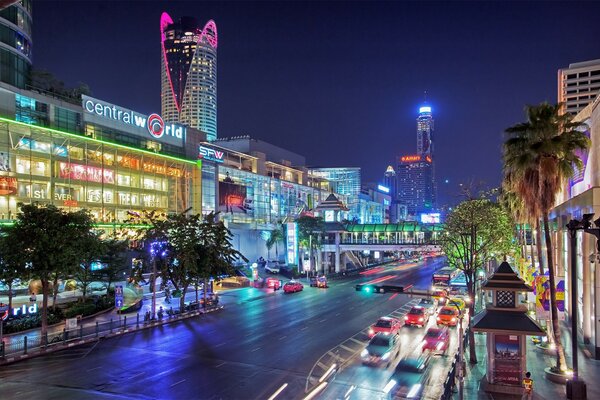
{"x":118,"y":296}
{"x":71,"y":323}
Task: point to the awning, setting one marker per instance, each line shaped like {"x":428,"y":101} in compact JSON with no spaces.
{"x":506,"y":321}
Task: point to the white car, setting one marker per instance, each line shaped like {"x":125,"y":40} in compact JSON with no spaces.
{"x":272,"y":267}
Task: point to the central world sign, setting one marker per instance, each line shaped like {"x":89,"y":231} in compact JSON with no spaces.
{"x":152,"y":126}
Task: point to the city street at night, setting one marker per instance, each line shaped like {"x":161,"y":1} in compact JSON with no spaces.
{"x":259,"y":342}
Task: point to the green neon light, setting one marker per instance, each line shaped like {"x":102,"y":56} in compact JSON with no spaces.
{"x":74,"y":135}
{"x":98,"y":225}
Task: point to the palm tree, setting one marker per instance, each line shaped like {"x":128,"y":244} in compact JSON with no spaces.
{"x":539,"y":155}
{"x":275,"y":237}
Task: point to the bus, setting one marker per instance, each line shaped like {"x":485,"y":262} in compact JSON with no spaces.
{"x":441,"y":278}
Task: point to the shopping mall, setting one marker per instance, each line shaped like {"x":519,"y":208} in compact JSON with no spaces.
{"x":117,"y":162}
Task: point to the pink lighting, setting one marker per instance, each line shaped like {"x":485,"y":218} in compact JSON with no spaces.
{"x":209,"y":32}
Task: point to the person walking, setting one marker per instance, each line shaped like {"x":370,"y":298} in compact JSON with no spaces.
{"x":527,"y":387}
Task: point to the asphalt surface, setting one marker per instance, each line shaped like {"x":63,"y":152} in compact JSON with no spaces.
{"x":261,"y":341}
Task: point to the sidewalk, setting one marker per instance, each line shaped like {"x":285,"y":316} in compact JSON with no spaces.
{"x":537,"y":361}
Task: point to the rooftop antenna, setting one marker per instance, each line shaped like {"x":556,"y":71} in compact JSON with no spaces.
{"x":425,"y":96}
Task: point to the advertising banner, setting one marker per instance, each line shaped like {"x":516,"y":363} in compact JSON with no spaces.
{"x":86,"y":173}
{"x":233,"y":198}
{"x":542,"y":297}
{"x":507,"y":360}
{"x":292,"y":243}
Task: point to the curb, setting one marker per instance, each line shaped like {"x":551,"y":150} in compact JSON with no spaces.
{"x":58,"y":347}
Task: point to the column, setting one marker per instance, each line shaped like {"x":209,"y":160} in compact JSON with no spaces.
{"x":587,"y":248}
{"x":337,"y":252}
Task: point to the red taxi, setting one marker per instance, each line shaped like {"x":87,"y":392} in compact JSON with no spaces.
{"x":385,"y":325}
{"x":448,"y":315}
{"x":436,"y":340}
{"x":292,"y":286}
{"x":418,"y":316}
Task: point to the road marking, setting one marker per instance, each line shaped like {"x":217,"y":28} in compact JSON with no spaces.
{"x":136,"y":375}
{"x":217,"y":366}
{"x":306,"y":327}
{"x":392,"y":296}
{"x":92,"y":369}
{"x":272,"y":325}
{"x":249,"y":334}
{"x":177,"y":383}
{"x":283,"y":337}
{"x":220,"y":344}
{"x":323,"y":320}
{"x":256,"y":349}
{"x":277,"y":391}
{"x":337,"y":314}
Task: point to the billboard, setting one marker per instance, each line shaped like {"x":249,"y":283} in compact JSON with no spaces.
{"x":291,"y":243}
{"x":507,"y":360}
{"x":542,"y":297}
{"x":233,"y":198}
{"x":430,"y":218}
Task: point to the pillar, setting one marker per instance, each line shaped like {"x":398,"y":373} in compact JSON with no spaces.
{"x":337,"y":252}
{"x":587,"y":249}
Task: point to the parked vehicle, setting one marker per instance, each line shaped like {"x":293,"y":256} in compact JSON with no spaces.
{"x":272,"y":267}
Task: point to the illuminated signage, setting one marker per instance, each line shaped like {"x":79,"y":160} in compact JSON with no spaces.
{"x":41,"y":147}
{"x":425,"y":109}
{"x":292,"y":243}
{"x":152,"y":126}
{"x":8,"y":185}
{"x":86,"y":173}
{"x":20,"y":311}
{"x":210,"y":154}
{"x":430,"y":218}
{"x":410,"y":158}
{"x":384,"y":189}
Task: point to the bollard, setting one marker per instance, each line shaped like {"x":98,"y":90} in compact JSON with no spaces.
{"x":137,"y":321}
{"x":45,"y":338}
{"x":124,"y":323}
{"x":65,"y":333}
{"x":81,"y":331}
{"x":25,"y":345}
{"x":111,"y":325}
{"x":2,"y":349}
{"x":97,"y":330}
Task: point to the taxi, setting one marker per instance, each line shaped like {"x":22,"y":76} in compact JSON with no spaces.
{"x":418,"y":316}
{"x":436,"y":340}
{"x":385,"y":325}
{"x":292,"y":286}
{"x":448,"y":315}
{"x":456,"y":302}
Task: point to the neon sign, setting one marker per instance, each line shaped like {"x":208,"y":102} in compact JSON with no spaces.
{"x":410,"y":158}
{"x":86,"y":173}
{"x":292,"y":243}
{"x":430,"y":218}
{"x":22,"y":311}
{"x":210,"y":154}
{"x":153,"y":124}
{"x":425,"y":109}
{"x":383,"y":188}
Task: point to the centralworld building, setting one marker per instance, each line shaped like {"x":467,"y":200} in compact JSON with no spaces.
{"x":189,"y":73}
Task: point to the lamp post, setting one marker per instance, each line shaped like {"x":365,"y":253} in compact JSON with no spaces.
{"x":576,"y":388}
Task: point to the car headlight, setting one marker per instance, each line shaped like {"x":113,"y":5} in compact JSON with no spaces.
{"x":389,"y":386}
{"x":439,"y":345}
{"x":386,"y":356}
{"x":439,"y":319}
{"x":364,"y":353}
{"x":453,"y":319}
{"x":406,"y":317}
{"x":371,"y":331}
{"x":421,"y":319}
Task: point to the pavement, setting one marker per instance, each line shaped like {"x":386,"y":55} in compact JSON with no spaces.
{"x":537,"y":361}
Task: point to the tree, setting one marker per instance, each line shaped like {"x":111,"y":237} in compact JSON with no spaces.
{"x":12,"y":264}
{"x":540,"y":154}
{"x":114,"y":260}
{"x":475,"y":232}
{"x":51,"y":242}
{"x":310,"y":234}
{"x":275,"y":237}
{"x":93,"y":248}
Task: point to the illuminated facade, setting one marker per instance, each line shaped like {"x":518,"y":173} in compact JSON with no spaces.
{"x":425,"y":132}
{"x":189,"y":73}
{"x":345,"y":181}
{"x":16,"y":43}
{"x":579,"y":85}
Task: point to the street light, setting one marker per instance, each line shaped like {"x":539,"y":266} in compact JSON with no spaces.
{"x":576,"y":388}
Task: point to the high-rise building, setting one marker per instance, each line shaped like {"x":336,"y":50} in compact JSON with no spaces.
{"x":414,"y":177}
{"x":344,"y":181}
{"x":189,"y":73}
{"x":578,"y":85}
{"x":425,"y":131}
{"x":15,"y":39}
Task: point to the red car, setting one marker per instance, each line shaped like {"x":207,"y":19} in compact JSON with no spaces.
{"x":448,"y":315}
{"x":292,"y":286}
{"x":386,"y":325}
{"x":436,"y":340}
{"x":418,"y":316}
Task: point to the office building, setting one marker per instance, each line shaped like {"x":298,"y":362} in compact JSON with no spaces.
{"x":425,"y":132}
{"x":579,"y":85}
{"x":16,"y":43}
{"x":189,"y":73}
{"x":414,"y":177}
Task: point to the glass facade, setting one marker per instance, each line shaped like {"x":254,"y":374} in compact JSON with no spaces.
{"x":15,"y":35}
{"x":112,"y":181}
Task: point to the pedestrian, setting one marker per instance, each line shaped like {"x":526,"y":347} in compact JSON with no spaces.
{"x":527,"y":387}
{"x":33,"y":297}
{"x":160,"y":312}
{"x":147,"y":316}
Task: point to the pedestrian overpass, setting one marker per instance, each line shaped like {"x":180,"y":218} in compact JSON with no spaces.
{"x":342,"y":242}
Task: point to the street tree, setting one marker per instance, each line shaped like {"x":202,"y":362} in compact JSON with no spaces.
{"x":539,"y":155}
{"x":51,"y":242}
{"x":114,"y":260}
{"x":93,"y":247}
{"x":476,"y":231}
{"x":310,"y":235}
{"x":275,"y":237}
{"x":12,"y":264}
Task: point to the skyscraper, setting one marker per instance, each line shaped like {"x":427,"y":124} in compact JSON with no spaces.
{"x":15,"y":48}
{"x":414,"y":177}
{"x":189,"y":73}
{"x":578,"y":85}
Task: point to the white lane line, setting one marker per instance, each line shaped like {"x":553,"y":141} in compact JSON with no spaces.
{"x":92,"y":369}
{"x":217,"y":366}
{"x":323,"y":320}
{"x":272,"y":325}
{"x":177,"y":383}
{"x":256,"y":349}
{"x":249,"y":334}
{"x":283,"y":337}
{"x":337,"y":314}
{"x":277,"y":391}
{"x":306,"y":327}
{"x":136,"y":375}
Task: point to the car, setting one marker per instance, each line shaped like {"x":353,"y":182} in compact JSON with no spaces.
{"x":382,"y":349}
{"x":385,"y":325}
{"x":436,"y":340}
{"x":410,"y":377}
{"x":456,"y":302}
{"x":418,"y":316}
{"x":319,"y":282}
{"x":448,"y":315}
{"x":272,"y":267}
{"x":429,"y":303}
{"x":441,"y":296}
{"x":292,"y":286}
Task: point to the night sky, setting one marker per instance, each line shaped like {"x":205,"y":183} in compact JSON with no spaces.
{"x":340,"y":82}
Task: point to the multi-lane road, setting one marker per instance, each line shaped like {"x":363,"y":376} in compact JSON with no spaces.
{"x":260,"y":342}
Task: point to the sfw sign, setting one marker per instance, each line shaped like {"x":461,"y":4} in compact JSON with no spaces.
{"x":210,"y":154}
{"x":151,"y":127}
